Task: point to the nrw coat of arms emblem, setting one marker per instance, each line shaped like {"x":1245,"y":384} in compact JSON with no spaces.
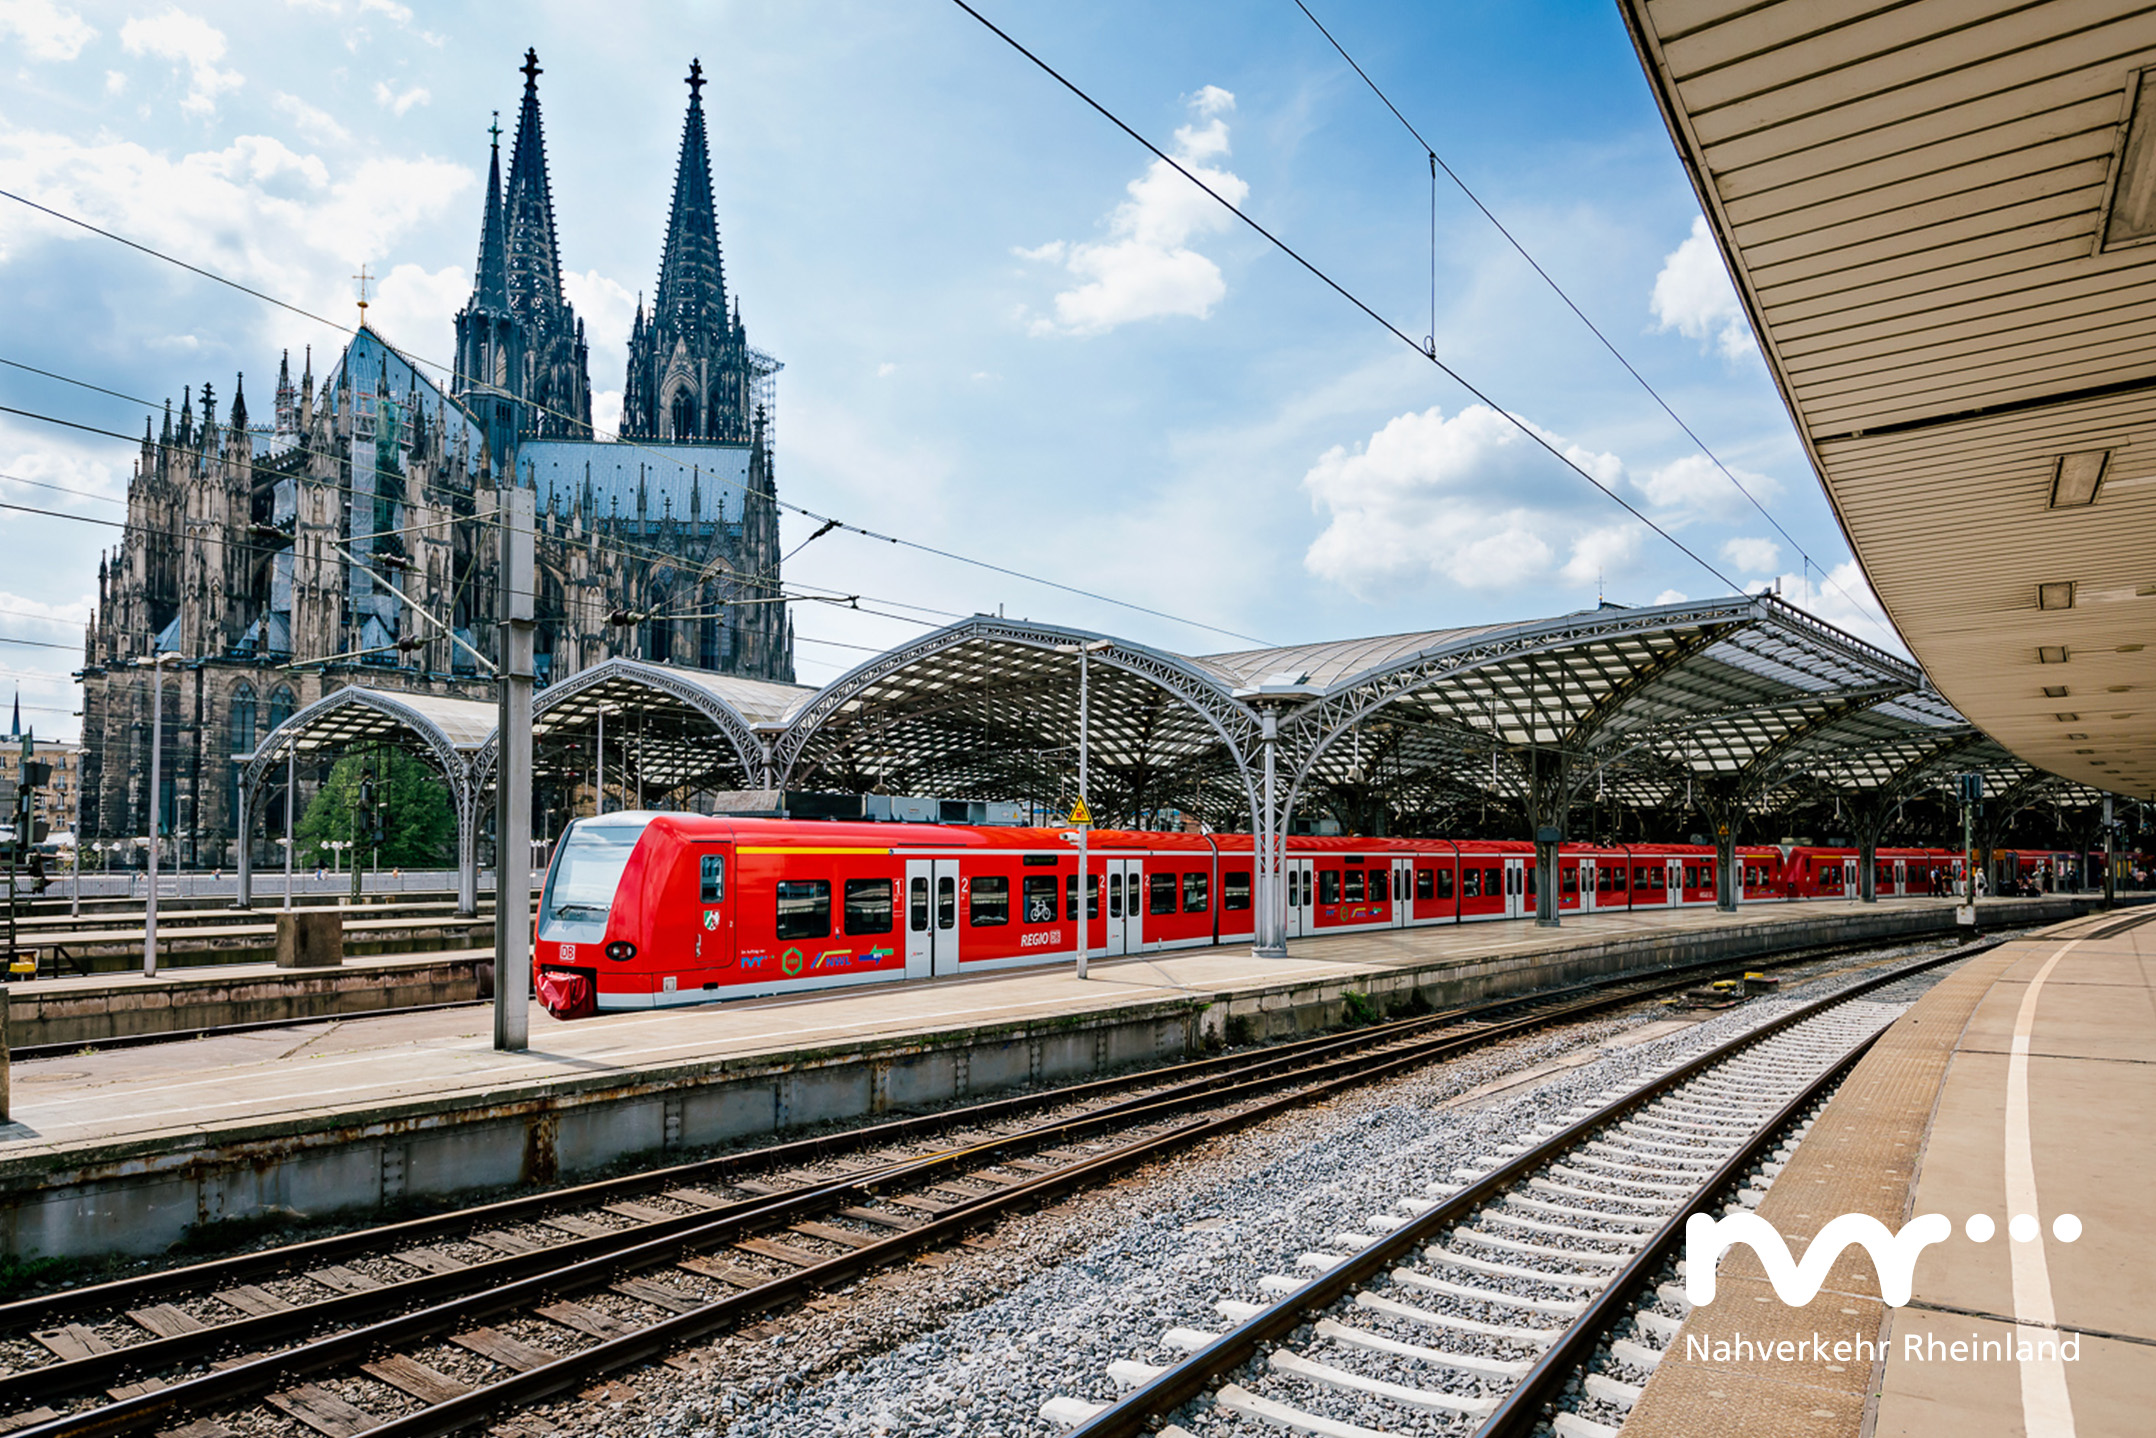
{"x":711,"y":918}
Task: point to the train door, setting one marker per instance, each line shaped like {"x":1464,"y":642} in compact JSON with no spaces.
{"x":1515,"y":888}
{"x":1403,"y":892}
{"x":1295,"y":877}
{"x":1901,"y":878}
{"x":1849,"y":879}
{"x":931,"y":917}
{"x":1587,"y":886}
{"x":1125,"y":908}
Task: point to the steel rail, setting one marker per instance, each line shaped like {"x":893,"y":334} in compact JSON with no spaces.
{"x":1616,"y":990}
{"x":583,"y":1264}
{"x":1194,"y":1376}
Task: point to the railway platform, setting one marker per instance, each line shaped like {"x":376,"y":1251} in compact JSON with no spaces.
{"x":136,"y":1147}
{"x":2025,"y":1083}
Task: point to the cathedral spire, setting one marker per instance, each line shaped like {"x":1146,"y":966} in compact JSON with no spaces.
{"x":493,"y":287}
{"x":692,"y":276}
{"x":534,"y":266}
{"x":239,"y":402}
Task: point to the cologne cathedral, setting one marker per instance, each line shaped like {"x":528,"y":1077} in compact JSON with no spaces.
{"x":335,"y":546}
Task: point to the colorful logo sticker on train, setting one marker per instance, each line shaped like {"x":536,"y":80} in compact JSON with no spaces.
{"x":754,"y":960}
{"x":711,"y":918}
{"x":790,"y":962}
{"x":834,"y":957}
{"x":877,"y":956}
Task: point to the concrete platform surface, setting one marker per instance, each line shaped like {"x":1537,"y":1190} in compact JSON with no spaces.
{"x":361,"y":1063}
{"x":2024,"y":1083}
{"x":361,"y":1111}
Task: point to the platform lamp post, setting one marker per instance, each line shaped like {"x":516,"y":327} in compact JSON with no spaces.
{"x":1082,"y":811}
{"x":1270,"y":697}
{"x":156,"y":663}
{"x":1972,"y":794}
{"x":513,"y":774}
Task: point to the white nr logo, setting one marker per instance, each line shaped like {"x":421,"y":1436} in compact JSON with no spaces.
{"x":1893,"y":1254}
{"x":1796,"y":1284}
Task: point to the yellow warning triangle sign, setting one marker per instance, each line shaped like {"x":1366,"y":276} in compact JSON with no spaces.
{"x":1080,"y":814}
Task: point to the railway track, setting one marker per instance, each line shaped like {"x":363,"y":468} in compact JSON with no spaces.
{"x":425,"y":1326}
{"x":1533,"y":1294}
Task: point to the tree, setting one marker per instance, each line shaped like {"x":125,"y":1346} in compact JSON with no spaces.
{"x":417,"y":820}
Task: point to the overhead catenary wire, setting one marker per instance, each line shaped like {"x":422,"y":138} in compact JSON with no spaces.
{"x":1326,"y":279}
{"x":802,"y":510}
{"x":1437,"y":162}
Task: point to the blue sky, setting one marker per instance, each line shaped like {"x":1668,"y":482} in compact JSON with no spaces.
{"x":1006,"y":332}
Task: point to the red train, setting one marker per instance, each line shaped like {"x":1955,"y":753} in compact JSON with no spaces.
{"x":649,"y":910}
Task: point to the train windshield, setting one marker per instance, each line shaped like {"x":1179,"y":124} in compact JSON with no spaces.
{"x":587,"y":871}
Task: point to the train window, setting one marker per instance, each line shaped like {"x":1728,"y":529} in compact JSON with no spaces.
{"x":1235,"y":890}
{"x":711,"y":878}
{"x":1602,"y":880}
{"x":804,"y":908}
{"x":989,"y":902}
{"x":1617,"y":879}
{"x":1351,"y":885}
{"x":1070,"y":897}
{"x":1491,"y":884}
{"x":1329,"y":886}
{"x":917,"y":905}
{"x":1444,"y":883}
{"x":1691,"y":876}
{"x":1159,"y":894}
{"x":1039,"y":895}
{"x":1531,"y":873}
{"x":946,"y":903}
{"x":1471,"y":883}
{"x":1379,"y":887}
{"x":1425,"y":883}
{"x":868,"y":906}
{"x":1706,"y":877}
{"x":1639,"y":876}
{"x":1194,"y":895}
{"x":1568,"y":880}
{"x":1660,"y":876}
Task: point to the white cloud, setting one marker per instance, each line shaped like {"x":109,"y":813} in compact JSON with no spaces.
{"x":319,"y":124}
{"x":1693,"y":296}
{"x":256,"y":210}
{"x":1753,"y":556}
{"x":399,"y":101}
{"x":1468,"y":499}
{"x":47,"y":31}
{"x":1842,"y":597}
{"x":1146,"y":269}
{"x":190,"y":40}
{"x":606,"y":411}
{"x":115,"y":81}
{"x":1671,"y":596}
{"x":886,"y":368}
{"x":410,"y":307}
{"x":607,"y":309}
{"x":1696,"y":483}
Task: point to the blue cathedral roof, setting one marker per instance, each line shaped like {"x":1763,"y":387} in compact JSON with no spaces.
{"x":666,"y":475}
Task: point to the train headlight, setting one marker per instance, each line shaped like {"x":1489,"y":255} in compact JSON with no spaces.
{"x":621,"y":951}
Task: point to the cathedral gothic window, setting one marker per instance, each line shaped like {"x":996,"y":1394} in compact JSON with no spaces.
{"x":243,"y":719}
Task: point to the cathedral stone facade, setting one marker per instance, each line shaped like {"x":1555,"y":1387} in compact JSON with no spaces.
{"x":347,"y":541}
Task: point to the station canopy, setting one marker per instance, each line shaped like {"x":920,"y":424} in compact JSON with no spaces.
{"x":1941,"y":220}
{"x":1737,"y":705}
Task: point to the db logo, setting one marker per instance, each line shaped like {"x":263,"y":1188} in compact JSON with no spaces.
{"x":568,"y":953}
{"x":1894,"y":1255}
